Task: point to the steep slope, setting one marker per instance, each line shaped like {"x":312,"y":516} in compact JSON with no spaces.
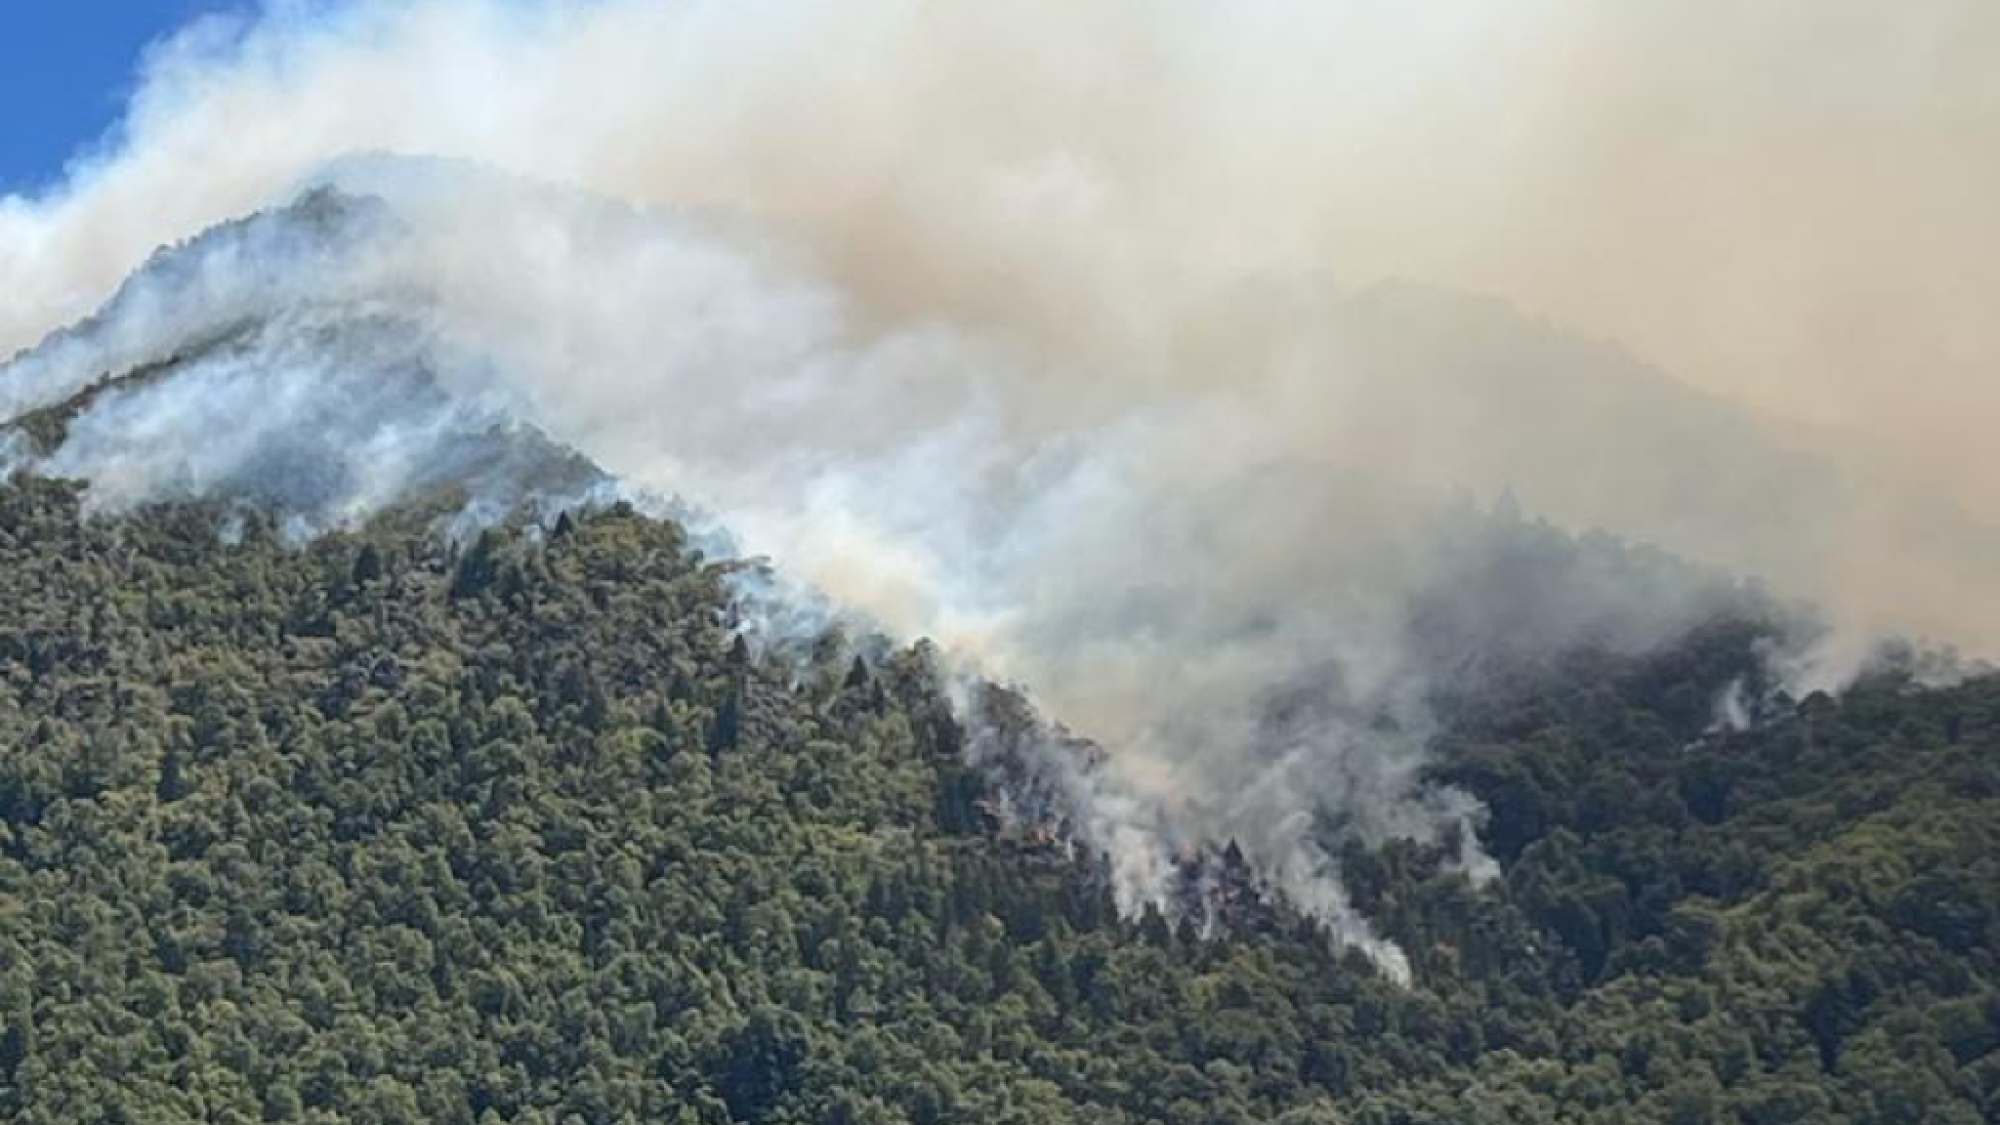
{"x":379,"y":829}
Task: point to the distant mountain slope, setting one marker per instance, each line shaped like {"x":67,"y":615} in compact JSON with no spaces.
{"x":379,"y":829}
{"x":268,"y":360}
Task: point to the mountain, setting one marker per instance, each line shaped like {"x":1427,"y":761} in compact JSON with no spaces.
{"x":368,"y":753}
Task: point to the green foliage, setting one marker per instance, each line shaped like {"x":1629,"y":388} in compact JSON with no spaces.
{"x":379,"y":830}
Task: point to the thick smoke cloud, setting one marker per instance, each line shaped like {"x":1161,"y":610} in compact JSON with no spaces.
{"x":1787,"y":206}
{"x":1069,"y":334}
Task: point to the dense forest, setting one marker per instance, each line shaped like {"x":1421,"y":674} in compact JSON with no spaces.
{"x":386,"y":829}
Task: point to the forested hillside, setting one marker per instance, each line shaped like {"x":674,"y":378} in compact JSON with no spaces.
{"x":379,"y":829}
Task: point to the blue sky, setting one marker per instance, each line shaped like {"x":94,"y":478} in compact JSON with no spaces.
{"x":65,"y":69}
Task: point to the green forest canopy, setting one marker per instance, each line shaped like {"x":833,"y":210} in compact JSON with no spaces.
{"x":380,"y":830}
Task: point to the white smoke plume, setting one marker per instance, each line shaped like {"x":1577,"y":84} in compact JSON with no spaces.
{"x":1071,"y":335}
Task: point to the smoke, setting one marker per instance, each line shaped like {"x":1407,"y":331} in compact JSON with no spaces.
{"x":1123,"y":348}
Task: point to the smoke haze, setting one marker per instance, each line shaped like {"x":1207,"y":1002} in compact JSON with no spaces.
{"x":1155,"y":356}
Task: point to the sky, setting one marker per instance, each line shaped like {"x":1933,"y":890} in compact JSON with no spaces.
{"x":66,"y":67}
